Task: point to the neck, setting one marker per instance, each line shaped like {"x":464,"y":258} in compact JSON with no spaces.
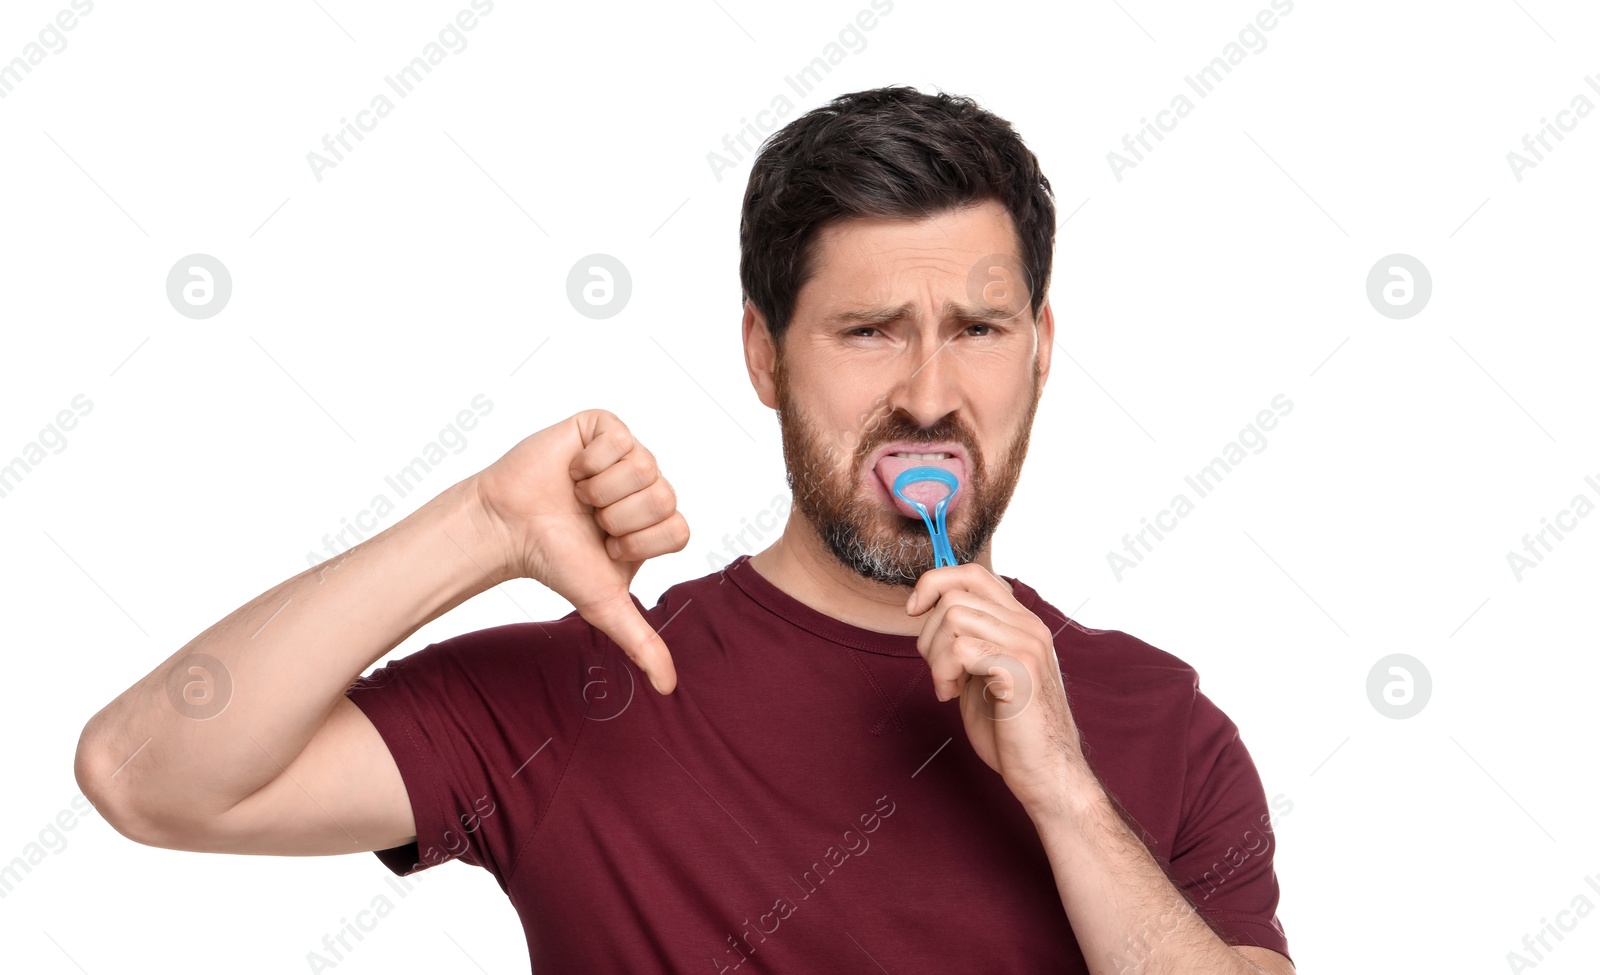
{"x":803,"y":567}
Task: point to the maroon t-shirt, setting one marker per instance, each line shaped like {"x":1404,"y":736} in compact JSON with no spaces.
{"x":802,"y":801}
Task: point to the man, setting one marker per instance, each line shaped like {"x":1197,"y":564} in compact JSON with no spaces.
{"x":857,"y":761}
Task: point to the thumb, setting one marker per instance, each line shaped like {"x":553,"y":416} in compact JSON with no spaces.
{"x":621,"y":620}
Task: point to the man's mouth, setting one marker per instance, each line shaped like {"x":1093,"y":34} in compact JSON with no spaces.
{"x":891,"y":465}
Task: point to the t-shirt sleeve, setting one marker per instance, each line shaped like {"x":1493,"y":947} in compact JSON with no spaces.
{"x":1223,"y":851}
{"x":481,"y":726}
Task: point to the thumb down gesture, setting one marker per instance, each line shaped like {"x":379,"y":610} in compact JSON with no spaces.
{"x":581,"y":505}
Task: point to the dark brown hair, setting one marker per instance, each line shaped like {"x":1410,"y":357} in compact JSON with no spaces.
{"x":892,"y":152}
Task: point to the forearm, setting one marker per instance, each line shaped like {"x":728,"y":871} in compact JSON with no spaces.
{"x":1126,"y":914}
{"x":288,"y":655}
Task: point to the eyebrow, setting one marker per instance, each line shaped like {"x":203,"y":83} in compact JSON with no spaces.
{"x":950,"y":310}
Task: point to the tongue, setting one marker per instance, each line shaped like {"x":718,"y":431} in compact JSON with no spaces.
{"x":927,"y":492}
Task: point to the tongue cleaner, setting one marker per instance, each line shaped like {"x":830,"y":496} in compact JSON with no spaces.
{"x":942,"y":555}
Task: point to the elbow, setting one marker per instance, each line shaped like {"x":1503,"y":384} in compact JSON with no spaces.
{"x":97,"y":772}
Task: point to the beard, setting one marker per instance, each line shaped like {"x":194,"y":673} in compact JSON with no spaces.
{"x":873,"y":538}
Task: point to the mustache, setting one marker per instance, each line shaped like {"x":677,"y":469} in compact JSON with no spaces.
{"x":945,"y":433}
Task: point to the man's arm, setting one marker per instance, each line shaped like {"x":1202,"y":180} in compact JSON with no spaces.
{"x":253,"y":747}
{"x":1126,"y":914}
{"x":244,"y":741}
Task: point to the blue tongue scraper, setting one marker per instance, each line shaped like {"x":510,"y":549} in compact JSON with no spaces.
{"x":942,"y":555}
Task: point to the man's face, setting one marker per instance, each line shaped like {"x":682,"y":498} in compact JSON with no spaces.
{"x":967,"y":377}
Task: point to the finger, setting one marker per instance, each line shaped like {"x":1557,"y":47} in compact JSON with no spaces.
{"x":979,"y":639}
{"x":638,"y":511}
{"x":1005,"y":680}
{"x":660,"y":538}
{"x":955,"y":648}
{"x":620,"y":619}
{"x":933,"y":619}
{"x":606,"y":440}
{"x":969,"y":576}
{"x":632,"y":472}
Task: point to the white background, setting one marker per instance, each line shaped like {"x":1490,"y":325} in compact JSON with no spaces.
{"x":1229,"y":266}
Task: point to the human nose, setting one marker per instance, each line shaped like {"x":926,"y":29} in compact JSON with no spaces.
{"x":930,"y":391}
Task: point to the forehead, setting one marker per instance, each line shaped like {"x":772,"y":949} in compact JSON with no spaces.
{"x":972,"y":231}
{"x":860,"y":262}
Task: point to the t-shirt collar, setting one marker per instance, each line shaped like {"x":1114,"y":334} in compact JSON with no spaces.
{"x":792,"y":610}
